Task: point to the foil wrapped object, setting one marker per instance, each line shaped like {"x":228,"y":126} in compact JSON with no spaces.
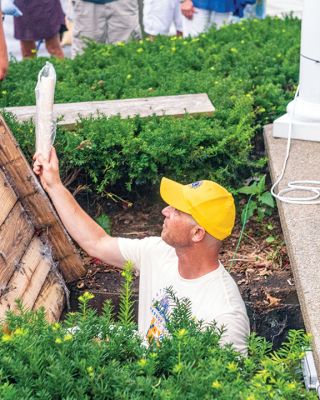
{"x":45,"y":120}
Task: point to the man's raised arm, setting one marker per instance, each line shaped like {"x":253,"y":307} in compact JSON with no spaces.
{"x":81,"y":227}
{"x":3,"y":50}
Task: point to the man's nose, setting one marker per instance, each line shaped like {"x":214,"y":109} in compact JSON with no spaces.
{"x":166,"y":211}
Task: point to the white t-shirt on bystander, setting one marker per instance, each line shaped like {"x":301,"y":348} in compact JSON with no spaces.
{"x":214,"y":296}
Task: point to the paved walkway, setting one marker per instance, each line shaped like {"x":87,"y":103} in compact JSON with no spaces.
{"x":274,"y":7}
{"x":300,"y":226}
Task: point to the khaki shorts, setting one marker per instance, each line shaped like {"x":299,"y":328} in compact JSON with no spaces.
{"x":117,"y":21}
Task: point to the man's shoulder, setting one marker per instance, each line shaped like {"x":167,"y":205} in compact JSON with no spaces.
{"x":152,"y":243}
{"x":156,"y":243}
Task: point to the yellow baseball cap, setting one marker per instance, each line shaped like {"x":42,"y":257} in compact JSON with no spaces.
{"x":210,"y":204}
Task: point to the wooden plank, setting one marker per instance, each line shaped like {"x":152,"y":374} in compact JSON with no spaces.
{"x":15,"y":235}
{"x":7,"y":198}
{"x":38,"y":278}
{"x":37,"y":205}
{"x":21,"y":279}
{"x":193,"y":104}
{"x":52,"y":297}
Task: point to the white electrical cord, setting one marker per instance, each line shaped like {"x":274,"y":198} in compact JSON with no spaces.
{"x":295,"y":186}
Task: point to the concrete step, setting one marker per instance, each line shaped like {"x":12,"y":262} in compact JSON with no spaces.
{"x":301,"y":226}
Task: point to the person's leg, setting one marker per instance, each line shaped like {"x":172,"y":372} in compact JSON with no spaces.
{"x":220,"y":19}
{"x":123,"y":21}
{"x":177,"y":18}
{"x":89,"y":22}
{"x":158,"y":16}
{"x":53,"y":46}
{"x":28,"y":48}
{"x":197,"y":25}
{"x":260,"y":9}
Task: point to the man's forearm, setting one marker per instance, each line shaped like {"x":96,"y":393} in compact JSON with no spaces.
{"x":81,"y":227}
{"x":3,"y":52}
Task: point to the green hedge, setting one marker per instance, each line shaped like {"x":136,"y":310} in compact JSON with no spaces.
{"x":249,"y":71}
{"x":132,"y":155}
{"x":91,"y":357}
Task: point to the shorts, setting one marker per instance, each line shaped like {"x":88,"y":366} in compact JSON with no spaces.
{"x":117,"y":21}
{"x":158,"y":16}
{"x":202,"y":21}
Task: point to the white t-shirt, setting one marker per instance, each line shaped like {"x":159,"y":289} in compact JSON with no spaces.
{"x":214,"y":296}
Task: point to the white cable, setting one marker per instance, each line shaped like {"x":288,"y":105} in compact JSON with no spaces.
{"x":295,"y":186}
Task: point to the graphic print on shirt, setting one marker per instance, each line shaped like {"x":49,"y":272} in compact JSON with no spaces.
{"x":160,"y":310}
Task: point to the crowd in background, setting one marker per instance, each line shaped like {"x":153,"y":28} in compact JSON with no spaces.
{"x":112,"y":21}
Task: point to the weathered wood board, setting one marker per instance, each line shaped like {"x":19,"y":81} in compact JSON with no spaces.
{"x":69,"y":113}
{"x":37,"y":205}
{"x":37,"y":256}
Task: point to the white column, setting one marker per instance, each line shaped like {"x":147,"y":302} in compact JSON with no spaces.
{"x":306,"y":118}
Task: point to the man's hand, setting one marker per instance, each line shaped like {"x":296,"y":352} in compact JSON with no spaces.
{"x":187,"y":9}
{"x":9,"y":8}
{"x":48,"y":171}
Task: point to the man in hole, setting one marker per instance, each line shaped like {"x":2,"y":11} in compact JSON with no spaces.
{"x":186,"y":256}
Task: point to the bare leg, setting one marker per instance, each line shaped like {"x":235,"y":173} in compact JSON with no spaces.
{"x":53,"y":47}
{"x":28,"y":48}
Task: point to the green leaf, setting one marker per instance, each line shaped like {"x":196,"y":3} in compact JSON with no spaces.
{"x":261,"y":185}
{"x":252,"y":189}
{"x":104,"y":221}
{"x":267,"y":199}
{"x":261,"y":213}
{"x":270,"y":239}
{"x":248,"y":211}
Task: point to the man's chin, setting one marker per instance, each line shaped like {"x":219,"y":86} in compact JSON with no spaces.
{"x":164,"y":236}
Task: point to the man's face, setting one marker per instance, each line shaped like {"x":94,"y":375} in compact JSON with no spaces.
{"x":177,"y":227}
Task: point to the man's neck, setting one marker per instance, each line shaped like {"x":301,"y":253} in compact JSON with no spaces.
{"x":194,"y":263}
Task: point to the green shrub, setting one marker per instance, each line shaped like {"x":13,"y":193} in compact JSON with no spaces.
{"x":95,"y":357}
{"x":249,"y":71}
{"x":133,"y":154}
{"x":256,"y":57}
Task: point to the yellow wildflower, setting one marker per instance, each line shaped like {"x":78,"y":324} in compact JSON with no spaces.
{"x":20,"y":332}
{"x":67,"y":337}
{"x":6,"y":338}
{"x":232,"y":366}
{"x":181,"y":333}
{"x":216,"y":385}
{"x":142,"y":362}
{"x":56,"y":326}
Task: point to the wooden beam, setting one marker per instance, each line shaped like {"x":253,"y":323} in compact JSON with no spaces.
{"x":15,"y":235}
{"x":21,"y":278}
{"x":38,"y":278}
{"x":37,"y":205}
{"x":52,"y":297}
{"x":7,"y":198}
{"x":193,"y":104}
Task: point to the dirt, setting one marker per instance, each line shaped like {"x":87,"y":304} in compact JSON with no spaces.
{"x":260,"y":267}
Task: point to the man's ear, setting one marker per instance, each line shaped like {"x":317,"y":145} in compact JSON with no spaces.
{"x":198,"y":233}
